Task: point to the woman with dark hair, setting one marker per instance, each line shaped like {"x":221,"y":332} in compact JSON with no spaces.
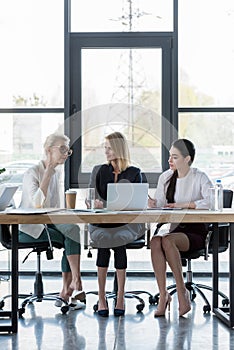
{"x":184,"y":187}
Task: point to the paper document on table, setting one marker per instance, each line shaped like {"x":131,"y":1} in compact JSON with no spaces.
{"x":77,"y":210}
{"x":164,"y":208}
{"x":33,"y":211}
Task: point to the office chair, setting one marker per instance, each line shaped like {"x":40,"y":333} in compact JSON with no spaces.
{"x":187,"y":257}
{"x":38,"y":248}
{"x":139,"y":243}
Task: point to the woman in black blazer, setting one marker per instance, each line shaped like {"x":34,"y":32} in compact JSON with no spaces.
{"x":114,"y":236}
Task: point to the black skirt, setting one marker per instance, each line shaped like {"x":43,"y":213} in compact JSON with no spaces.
{"x":196,"y":233}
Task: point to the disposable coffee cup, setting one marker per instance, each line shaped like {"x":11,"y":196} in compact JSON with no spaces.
{"x":70,"y":199}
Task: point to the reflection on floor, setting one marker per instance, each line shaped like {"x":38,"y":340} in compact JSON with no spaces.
{"x":45,"y":327}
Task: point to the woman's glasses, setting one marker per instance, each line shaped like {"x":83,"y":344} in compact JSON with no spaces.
{"x":64,"y":150}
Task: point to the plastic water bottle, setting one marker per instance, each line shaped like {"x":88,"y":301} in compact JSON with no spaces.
{"x":218,"y":195}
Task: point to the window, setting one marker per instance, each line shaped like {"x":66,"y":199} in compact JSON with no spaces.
{"x":206,"y":76}
{"x":121,"y":15}
{"x":121,"y":90}
{"x":32,"y":83}
{"x":31,"y":60}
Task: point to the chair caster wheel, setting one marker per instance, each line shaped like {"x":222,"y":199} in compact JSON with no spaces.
{"x":152,"y":300}
{"x":225,"y":302}
{"x":21,"y":311}
{"x":95,"y":307}
{"x":156,"y":299}
{"x":193,"y":296}
{"x":64,"y":309}
{"x":206,"y":309}
{"x":140,"y":307}
{"x":2,"y":304}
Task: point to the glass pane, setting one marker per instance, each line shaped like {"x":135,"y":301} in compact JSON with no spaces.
{"x":121,"y":16}
{"x":21,"y":142}
{"x":31,"y":60}
{"x":121,"y":90}
{"x":214,"y":143}
{"x":206,"y":53}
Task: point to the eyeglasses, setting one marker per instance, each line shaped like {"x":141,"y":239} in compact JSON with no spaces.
{"x":64,"y":150}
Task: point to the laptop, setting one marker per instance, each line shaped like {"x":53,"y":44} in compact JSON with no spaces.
{"x":127,"y":196}
{"x":6,"y":194}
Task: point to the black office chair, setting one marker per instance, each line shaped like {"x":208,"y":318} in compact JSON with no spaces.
{"x":187,"y":257}
{"x":141,"y":242}
{"x":38,"y":248}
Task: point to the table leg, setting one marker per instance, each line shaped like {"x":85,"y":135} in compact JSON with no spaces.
{"x":215,"y":272}
{"x":231,"y":273}
{"x":14,"y":278}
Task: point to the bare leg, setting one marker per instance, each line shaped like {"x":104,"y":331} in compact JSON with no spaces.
{"x":66,"y":291}
{"x":159,"y":266}
{"x":74,"y":262}
{"x":121,"y":278}
{"x":102,"y":273}
{"x":172,"y":244}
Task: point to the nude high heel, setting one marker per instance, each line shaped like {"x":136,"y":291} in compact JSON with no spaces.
{"x":186,"y":307}
{"x":162,"y":312}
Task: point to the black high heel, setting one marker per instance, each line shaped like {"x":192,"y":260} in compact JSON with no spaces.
{"x":104,"y":312}
{"x":118,"y":312}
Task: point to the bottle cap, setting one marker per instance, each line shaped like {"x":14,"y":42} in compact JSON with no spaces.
{"x":218,"y":181}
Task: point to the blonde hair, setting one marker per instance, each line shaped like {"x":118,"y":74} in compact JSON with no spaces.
{"x":120,"y":147}
{"x":53,"y":138}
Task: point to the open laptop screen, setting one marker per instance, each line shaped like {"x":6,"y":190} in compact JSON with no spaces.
{"x":6,"y":194}
{"x":127,"y":196}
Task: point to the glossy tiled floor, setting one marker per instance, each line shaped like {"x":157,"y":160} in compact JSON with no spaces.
{"x":45,"y":327}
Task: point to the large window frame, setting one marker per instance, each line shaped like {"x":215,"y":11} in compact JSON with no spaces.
{"x":74,"y":42}
{"x":78,"y":41}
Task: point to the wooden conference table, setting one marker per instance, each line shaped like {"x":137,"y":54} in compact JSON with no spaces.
{"x":148,"y":216}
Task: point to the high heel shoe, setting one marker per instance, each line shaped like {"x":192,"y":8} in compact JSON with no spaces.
{"x":162,"y":312}
{"x":76,"y":304}
{"x":118,"y":312}
{"x":78,"y":295}
{"x":186,"y":305}
{"x":104,"y":312}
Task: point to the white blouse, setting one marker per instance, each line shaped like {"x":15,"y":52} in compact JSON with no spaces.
{"x":194,"y":187}
{"x":33,"y":197}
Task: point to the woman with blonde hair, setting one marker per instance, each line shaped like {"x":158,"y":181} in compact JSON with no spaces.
{"x":42,"y":189}
{"x":115,"y":236}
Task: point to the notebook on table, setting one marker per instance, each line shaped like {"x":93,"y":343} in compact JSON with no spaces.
{"x":127,"y":196}
{"x":6,"y":195}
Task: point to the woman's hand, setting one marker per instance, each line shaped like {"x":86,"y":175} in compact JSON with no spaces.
{"x":151,"y":202}
{"x":97,"y":204}
{"x":50,"y":163}
{"x":189,"y":205}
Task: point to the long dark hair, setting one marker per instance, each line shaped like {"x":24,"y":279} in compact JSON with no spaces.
{"x":186,"y":148}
